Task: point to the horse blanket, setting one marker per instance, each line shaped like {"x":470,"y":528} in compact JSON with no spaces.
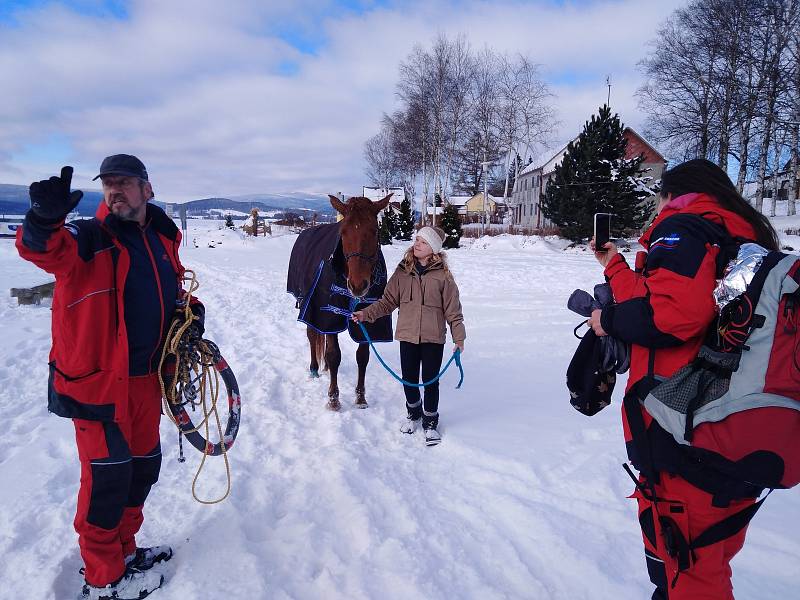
{"x":316,"y":279}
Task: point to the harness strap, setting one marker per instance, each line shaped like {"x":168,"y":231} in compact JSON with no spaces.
{"x":633,"y":412}
{"x":729,"y":526}
{"x":678,"y":547}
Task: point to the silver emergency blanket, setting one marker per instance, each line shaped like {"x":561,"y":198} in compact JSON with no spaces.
{"x":739,"y":273}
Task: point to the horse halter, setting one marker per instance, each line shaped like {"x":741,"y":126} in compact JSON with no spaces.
{"x":370,"y":259}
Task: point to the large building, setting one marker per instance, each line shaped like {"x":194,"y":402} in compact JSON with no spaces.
{"x":525,"y":205}
{"x":376,"y":194}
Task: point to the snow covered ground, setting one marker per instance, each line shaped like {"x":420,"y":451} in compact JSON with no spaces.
{"x":525,"y":497}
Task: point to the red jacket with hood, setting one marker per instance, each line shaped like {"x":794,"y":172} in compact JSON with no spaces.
{"x":665,"y":312}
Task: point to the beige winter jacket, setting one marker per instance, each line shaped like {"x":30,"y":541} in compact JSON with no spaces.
{"x":425,"y":302}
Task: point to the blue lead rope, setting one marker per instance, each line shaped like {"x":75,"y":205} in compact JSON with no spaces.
{"x":456,"y":357}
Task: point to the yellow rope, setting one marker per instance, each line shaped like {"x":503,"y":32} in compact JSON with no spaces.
{"x":201,"y":368}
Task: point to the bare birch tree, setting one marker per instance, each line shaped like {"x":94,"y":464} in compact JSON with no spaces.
{"x":460,"y":108}
{"x":380,"y":156}
{"x":779,"y":23}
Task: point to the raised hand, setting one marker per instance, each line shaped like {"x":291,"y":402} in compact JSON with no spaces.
{"x":51,"y":199}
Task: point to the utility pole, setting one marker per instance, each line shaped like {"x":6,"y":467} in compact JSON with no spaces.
{"x":608,"y":83}
{"x":485,"y":168}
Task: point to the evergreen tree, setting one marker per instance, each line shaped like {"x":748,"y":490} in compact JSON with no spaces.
{"x":229,"y":222}
{"x":392,"y":221}
{"x":594,"y":176}
{"x":384,"y":235}
{"x":451,"y":225}
{"x":405,"y":221}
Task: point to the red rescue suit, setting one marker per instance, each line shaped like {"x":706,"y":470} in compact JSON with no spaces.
{"x":102,"y":377}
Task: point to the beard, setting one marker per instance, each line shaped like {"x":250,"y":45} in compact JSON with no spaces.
{"x":123,"y":211}
{"x":121,"y":208}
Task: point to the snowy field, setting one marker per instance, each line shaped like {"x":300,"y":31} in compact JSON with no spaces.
{"x":524,"y":498}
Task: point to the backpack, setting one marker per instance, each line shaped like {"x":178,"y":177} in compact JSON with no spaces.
{"x":750,"y":360}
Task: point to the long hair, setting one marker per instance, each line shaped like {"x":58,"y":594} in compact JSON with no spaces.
{"x":703,"y":176}
{"x":407,"y":263}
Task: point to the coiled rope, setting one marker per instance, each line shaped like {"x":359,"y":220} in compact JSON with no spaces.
{"x":193,"y":360}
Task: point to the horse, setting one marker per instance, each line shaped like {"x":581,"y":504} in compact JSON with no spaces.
{"x":322,"y":258}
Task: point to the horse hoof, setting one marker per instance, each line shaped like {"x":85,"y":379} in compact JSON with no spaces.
{"x":333,"y":404}
{"x":361,"y":404}
{"x":313,"y":374}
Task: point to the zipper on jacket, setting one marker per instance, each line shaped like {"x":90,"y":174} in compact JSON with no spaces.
{"x":114,"y":262}
{"x":160,"y":294}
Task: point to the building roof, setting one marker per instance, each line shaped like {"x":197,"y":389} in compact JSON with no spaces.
{"x":646,"y":143}
{"x":459,"y":200}
{"x":379,"y":193}
{"x":549,"y":165}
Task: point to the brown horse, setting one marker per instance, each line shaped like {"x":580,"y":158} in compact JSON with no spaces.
{"x":359,"y":237}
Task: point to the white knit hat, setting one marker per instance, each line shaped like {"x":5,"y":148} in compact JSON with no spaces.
{"x":433,"y":237}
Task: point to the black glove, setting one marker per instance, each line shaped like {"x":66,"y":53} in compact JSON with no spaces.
{"x":199,"y":311}
{"x":51,"y":199}
{"x":196,"y":329}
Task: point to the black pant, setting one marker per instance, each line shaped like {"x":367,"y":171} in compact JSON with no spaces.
{"x":430,"y":357}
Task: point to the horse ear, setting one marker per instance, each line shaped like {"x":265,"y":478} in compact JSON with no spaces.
{"x":381,"y":204}
{"x":338,"y":204}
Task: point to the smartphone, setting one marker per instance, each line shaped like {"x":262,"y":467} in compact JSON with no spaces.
{"x":602,"y":231}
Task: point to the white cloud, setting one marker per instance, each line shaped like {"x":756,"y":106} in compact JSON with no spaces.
{"x":194,"y":88}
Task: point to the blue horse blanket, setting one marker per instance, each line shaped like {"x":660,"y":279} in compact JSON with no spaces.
{"x":316,"y":279}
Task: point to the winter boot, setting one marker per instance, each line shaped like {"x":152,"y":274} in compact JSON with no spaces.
{"x":134,"y":585}
{"x":432,"y":436}
{"x":144,"y":558}
{"x":410,"y":424}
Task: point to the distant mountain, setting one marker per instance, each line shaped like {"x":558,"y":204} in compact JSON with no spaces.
{"x":291,"y":201}
{"x":263,"y":202}
{"x":14,"y":200}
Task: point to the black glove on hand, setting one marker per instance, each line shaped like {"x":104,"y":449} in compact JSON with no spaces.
{"x":51,"y":199}
{"x":196,"y":329}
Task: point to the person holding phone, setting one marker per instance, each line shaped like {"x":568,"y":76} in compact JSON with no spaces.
{"x":664,"y":313}
{"x":602,"y":230}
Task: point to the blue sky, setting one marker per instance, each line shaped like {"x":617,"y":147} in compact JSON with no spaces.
{"x":95,"y":8}
{"x":248,"y":96}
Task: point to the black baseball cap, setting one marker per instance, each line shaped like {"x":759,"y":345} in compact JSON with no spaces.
{"x":123,"y":164}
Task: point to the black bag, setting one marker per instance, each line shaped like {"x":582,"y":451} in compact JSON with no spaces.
{"x":590,"y":388}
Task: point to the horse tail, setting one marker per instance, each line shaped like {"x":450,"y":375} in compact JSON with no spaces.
{"x":320,"y":348}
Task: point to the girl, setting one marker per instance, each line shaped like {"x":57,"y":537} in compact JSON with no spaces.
{"x":427,"y":295}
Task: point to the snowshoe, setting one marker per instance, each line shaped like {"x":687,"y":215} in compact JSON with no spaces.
{"x":144,"y":558}
{"x":133,"y":585}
